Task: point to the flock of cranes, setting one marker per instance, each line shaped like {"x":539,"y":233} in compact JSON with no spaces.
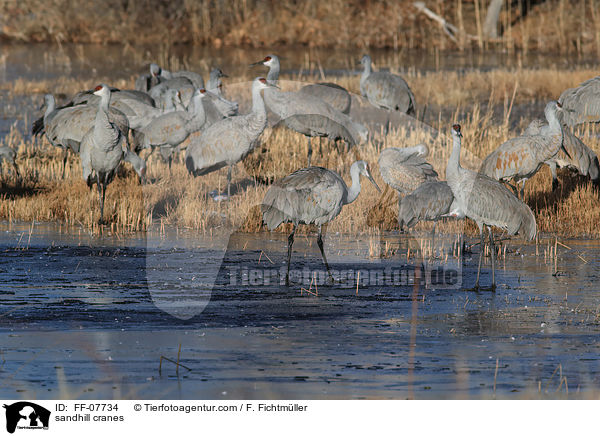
{"x":106,"y":126}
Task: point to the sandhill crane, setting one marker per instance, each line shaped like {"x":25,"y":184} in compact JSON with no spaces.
{"x":8,"y":154}
{"x":101,"y":148}
{"x":520,"y":158}
{"x":487,"y":202}
{"x":582,"y":159}
{"x":312,"y":195}
{"x":385,"y":90}
{"x":404,"y":169}
{"x":192,"y":76}
{"x":228,"y":141}
{"x":307,"y":114}
{"x":171,"y":129}
{"x":138,"y":164}
{"x":581,"y":104}
{"x":66,"y":127}
{"x":431,"y":201}
{"x":182,"y":84}
{"x":226,"y":108}
{"x":335,"y":95}
{"x":147,"y":81}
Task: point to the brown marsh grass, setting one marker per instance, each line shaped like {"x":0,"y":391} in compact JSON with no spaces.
{"x":180,"y":200}
{"x":566,"y":26}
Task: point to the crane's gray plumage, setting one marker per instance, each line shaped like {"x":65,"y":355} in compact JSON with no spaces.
{"x":9,"y":155}
{"x":581,"y":104}
{"x":312,"y":195}
{"x":335,"y":95}
{"x":309,"y":115}
{"x":146,"y":81}
{"x":226,"y":108}
{"x":581,"y":158}
{"x":138,"y":164}
{"x":101,"y":148}
{"x":486,"y":201}
{"x":386,"y":90}
{"x":228,"y":141}
{"x":521,"y":157}
{"x":65,"y":127}
{"x":171,"y":129}
{"x":182,"y":84}
{"x":431,"y":201}
{"x":404,"y":169}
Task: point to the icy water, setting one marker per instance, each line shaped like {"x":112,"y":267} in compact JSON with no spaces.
{"x":90,"y":317}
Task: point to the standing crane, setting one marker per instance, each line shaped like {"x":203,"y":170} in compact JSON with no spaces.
{"x":147,"y":81}
{"x":520,"y":158}
{"x":312,"y":195}
{"x":309,"y":115}
{"x":581,"y":104}
{"x":487,"y":202}
{"x":228,"y":141}
{"x":171,"y":129}
{"x":226,"y":108}
{"x":8,"y":154}
{"x":386,"y":90}
{"x":101,"y":148}
{"x":431,"y":201}
{"x":405,"y":169}
{"x":65,"y":127}
{"x":581,"y":158}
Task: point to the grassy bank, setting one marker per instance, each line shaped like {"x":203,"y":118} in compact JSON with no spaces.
{"x":481,"y":102}
{"x":552,"y":25}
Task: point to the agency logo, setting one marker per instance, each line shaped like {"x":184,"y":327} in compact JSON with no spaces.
{"x":26,"y":415}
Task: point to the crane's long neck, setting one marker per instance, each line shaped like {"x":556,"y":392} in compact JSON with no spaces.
{"x":258,"y":103}
{"x":553,"y":121}
{"x":213,"y":82}
{"x":102,"y":120}
{"x":453,"y":167}
{"x":198,"y":116}
{"x":273,"y":74}
{"x":354,"y":189}
{"x":50,"y":106}
{"x":366,"y":72}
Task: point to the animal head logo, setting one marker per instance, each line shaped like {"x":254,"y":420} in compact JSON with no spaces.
{"x":24,"y":414}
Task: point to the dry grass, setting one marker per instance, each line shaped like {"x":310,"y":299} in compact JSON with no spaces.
{"x":567,"y":26}
{"x":180,"y":200}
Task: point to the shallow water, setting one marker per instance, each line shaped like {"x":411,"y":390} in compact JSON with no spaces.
{"x":89,"y":317}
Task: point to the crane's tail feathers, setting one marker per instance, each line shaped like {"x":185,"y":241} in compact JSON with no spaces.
{"x":37,"y":127}
{"x":528,"y":226}
{"x":278,"y":207}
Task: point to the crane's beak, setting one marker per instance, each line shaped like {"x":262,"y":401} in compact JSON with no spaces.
{"x":255,"y":64}
{"x":223,"y":74}
{"x":274,"y":86}
{"x":370,"y":177}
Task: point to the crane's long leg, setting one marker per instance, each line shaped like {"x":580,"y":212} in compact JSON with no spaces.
{"x":100,"y":185}
{"x":493,"y":251}
{"x":229,"y":182}
{"x":290,"y":243}
{"x":523,"y":189}
{"x":320,"y":244}
{"x":309,"y":151}
{"x":433,"y":238}
{"x":552,"y":166}
{"x":482,"y":247}
{"x":65,"y":155}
